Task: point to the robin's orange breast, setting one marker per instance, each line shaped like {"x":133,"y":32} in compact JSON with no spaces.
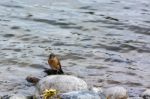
{"x":54,"y":63}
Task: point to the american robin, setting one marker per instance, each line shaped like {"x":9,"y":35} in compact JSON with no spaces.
{"x":54,"y":63}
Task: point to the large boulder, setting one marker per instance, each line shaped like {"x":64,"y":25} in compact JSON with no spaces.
{"x":62,"y":83}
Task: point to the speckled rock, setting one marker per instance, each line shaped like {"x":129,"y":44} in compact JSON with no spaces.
{"x":62,"y":83}
{"x":116,"y":92}
{"x":18,"y":97}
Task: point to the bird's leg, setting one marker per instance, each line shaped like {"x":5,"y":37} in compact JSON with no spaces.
{"x":57,"y":72}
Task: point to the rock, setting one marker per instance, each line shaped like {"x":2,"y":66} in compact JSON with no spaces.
{"x":146,"y":94}
{"x":18,"y":97}
{"x":52,"y":72}
{"x":116,"y":93}
{"x":97,"y":90}
{"x":82,"y":95}
{"x":32,"y":79}
{"x":62,"y":83}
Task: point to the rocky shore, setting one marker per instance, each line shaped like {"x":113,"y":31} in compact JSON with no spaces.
{"x":71,"y":87}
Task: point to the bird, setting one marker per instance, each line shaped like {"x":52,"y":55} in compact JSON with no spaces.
{"x":54,"y":63}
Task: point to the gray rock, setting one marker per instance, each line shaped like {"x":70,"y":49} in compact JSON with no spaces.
{"x":62,"y":83}
{"x":18,"y":97}
{"x":82,"y":95}
{"x":116,"y":92}
{"x":146,"y":94}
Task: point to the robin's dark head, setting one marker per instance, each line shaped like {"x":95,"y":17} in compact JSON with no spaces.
{"x":52,"y":55}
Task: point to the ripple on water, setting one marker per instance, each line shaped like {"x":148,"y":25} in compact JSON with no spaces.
{"x":73,"y":56}
{"x":113,"y":82}
{"x":133,"y":84}
{"x":15,"y":27}
{"x":8,"y":35}
{"x":12,"y":6}
{"x":139,"y":29}
{"x":96,"y":67}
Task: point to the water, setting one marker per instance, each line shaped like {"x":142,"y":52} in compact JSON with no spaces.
{"x":105,"y":42}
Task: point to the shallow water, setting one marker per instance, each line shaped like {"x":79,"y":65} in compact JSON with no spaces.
{"x":105,"y":42}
